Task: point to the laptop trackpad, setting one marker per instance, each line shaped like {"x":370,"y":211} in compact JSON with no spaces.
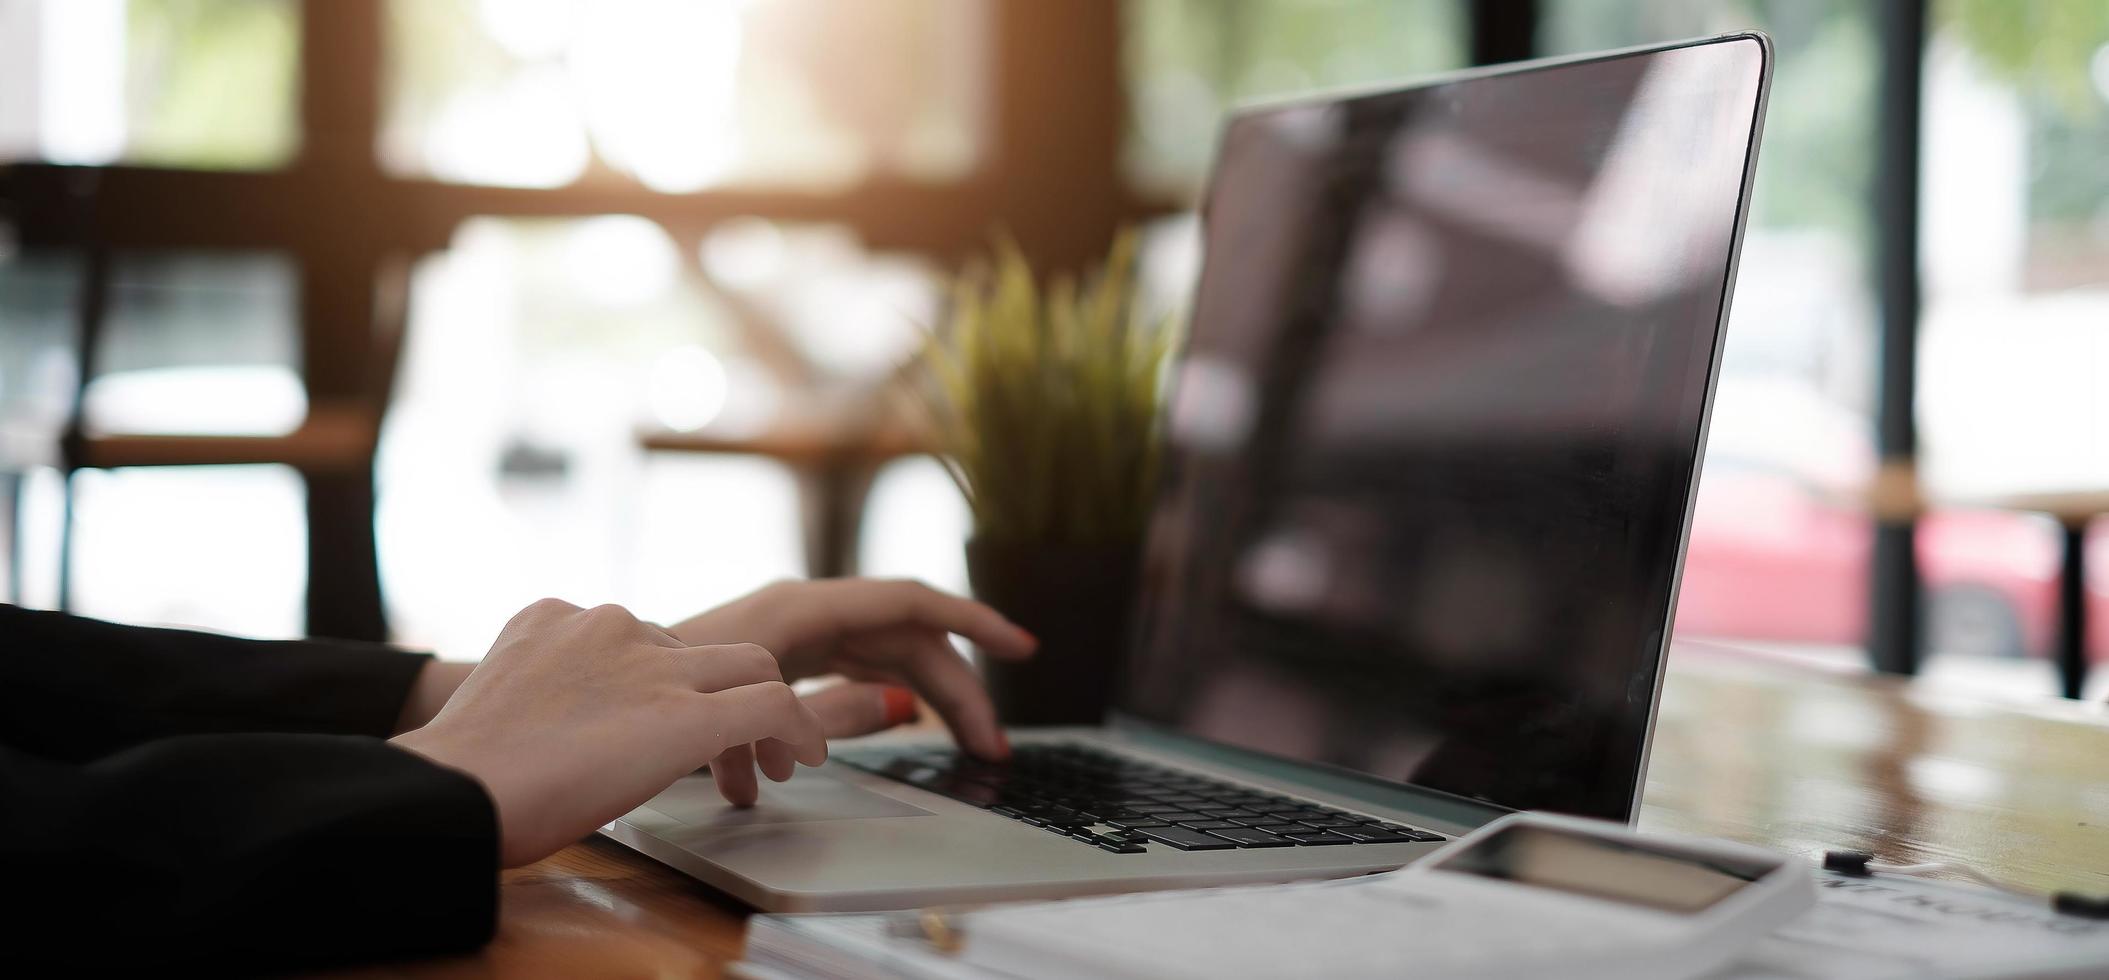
{"x":694,"y":800}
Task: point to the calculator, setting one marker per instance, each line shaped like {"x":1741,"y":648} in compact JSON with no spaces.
{"x":1589,"y":898}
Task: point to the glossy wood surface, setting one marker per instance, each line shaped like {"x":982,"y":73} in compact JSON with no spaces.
{"x":1787,"y":756}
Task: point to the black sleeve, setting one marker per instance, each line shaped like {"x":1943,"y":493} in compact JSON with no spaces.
{"x":75,"y":689}
{"x":243,"y":853}
{"x":173,"y":798}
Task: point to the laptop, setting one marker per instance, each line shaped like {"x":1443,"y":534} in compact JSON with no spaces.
{"x":1431,"y":452}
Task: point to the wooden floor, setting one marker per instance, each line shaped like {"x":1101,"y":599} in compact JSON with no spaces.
{"x":1786,"y":756}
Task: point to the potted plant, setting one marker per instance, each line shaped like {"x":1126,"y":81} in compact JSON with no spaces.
{"x":1044,"y":407}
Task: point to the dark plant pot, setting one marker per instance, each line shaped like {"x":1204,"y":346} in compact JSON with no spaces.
{"x":1077,"y":599}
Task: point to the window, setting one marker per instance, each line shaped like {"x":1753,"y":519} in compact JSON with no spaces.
{"x":680,"y":95}
{"x":194,"y":342}
{"x":218,"y":547}
{"x":199,"y":342}
{"x":1189,"y":60}
{"x":2016,"y":247}
{"x":2012,"y":347}
{"x":540,"y":348}
{"x":207,"y":84}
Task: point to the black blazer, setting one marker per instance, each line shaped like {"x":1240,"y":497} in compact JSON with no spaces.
{"x":178,"y":798}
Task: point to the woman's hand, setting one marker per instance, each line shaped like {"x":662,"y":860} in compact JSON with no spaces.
{"x":435,"y":683}
{"x":578,"y":716}
{"x":869,"y":630}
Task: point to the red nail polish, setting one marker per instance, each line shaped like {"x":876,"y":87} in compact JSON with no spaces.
{"x":900,"y":705}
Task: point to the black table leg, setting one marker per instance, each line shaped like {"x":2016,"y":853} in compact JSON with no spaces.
{"x":832,"y":493}
{"x":344,"y":571}
{"x":2072,"y":610}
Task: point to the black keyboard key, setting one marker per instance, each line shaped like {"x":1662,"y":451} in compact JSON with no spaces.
{"x":1410,"y":833}
{"x":1175,"y":816}
{"x":1106,"y":801}
{"x":1139,"y":824}
{"x":1371,"y":835}
{"x":1188,"y":840}
{"x":1110,"y":814}
{"x":971,"y":793}
{"x":1248,"y":837}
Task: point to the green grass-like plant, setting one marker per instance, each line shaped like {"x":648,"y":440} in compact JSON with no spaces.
{"x":1044,"y":401}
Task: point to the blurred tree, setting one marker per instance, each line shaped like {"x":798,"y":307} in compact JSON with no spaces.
{"x":1189,"y":60}
{"x":2047,"y":45}
{"x":212,"y":84}
{"x":2048,"y":51}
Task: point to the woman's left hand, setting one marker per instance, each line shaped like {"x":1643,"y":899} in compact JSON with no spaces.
{"x":892,"y":632}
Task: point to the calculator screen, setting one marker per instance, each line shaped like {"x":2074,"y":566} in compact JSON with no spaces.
{"x":1657,"y":877}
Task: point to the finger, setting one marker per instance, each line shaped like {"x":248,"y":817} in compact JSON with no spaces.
{"x":536,"y":615}
{"x":740,"y":715}
{"x":943,"y":678}
{"x":850,"y":710}
{"x":661,"y":635}
{"x":776,"y":759}
{"x":858,"y":605}
{"x":716,"y":668}
{"x":733,"y":771}
{"x":615,"y":621}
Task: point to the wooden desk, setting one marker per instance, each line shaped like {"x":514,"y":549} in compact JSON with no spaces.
{"x":1785,"y":756}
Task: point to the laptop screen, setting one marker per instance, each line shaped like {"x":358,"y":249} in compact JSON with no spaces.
{"x":1433,"y":441}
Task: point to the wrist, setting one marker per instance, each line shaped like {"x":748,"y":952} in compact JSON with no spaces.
{"x":435,"y":684}
{"x":439,"y":748}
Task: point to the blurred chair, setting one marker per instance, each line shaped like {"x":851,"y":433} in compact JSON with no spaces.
{"x":336,"y":439}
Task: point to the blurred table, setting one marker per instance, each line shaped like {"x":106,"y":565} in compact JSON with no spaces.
{"x":1786,"y":756}
{"x":2074,"y":511}
{"x":1896,"y":493}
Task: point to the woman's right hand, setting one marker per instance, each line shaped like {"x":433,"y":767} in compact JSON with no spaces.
{"x":577,"y":716}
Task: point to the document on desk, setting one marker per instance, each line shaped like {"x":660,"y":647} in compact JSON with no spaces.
{"x":1880,"y":927}
{"x":1862,"y":929}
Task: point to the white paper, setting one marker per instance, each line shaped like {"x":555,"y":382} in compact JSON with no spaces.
{"x":1862,"y":929}
{"x":1890,"y":926}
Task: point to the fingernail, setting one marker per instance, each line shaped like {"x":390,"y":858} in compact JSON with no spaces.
{"x":900,"y":705}
{"x":1003,"y":745}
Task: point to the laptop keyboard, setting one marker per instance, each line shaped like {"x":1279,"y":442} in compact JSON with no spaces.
{"x":1123,"y":805}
